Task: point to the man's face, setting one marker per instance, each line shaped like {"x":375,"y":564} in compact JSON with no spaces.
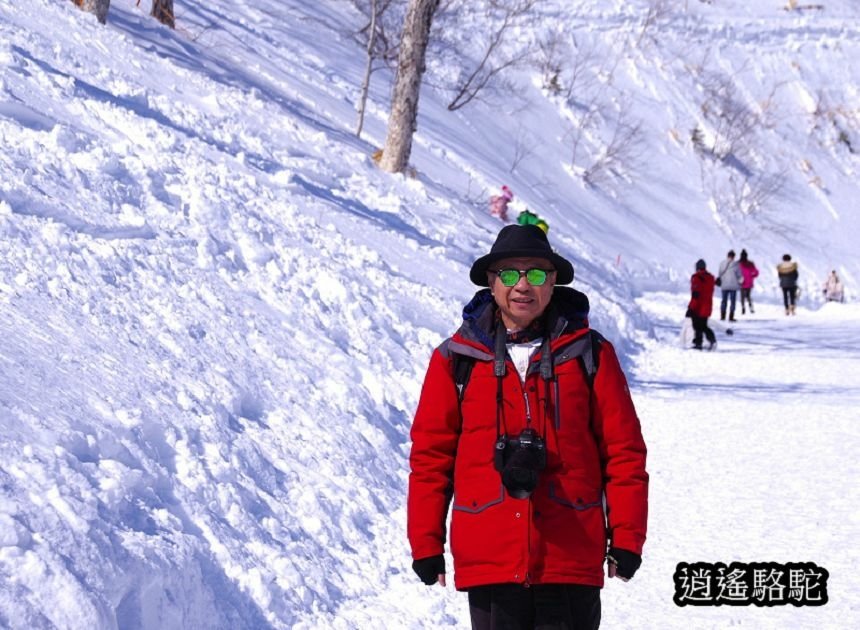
{"x":523,"y":302}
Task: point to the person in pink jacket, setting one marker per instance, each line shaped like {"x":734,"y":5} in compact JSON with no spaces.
{"x":499,"y":204}
{"x":750,"y":273}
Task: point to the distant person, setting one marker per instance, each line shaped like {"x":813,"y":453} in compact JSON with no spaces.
{"x":729,"y":280}
{"x":749,"y":273}
{"x":701,"y":305}
{"x":527,"y":217}
{"x":833,"y":291}
{"x":787,"y":271}
{"x":526,"y":430}
{"x":499,"y":204}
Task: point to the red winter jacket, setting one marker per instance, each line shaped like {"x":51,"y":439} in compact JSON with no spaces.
{"x":595,"y":460}
{"x":702,"y":293}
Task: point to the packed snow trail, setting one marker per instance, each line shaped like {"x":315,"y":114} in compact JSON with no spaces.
{"x":752,"y":456}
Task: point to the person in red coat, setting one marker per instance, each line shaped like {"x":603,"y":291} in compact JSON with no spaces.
{"x":701,"y":305}
{"x":539,"y":453}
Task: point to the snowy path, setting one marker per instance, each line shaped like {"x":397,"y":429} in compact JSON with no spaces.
{"x":752,"y":455}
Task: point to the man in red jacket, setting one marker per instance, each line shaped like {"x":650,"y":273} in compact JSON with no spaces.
{"x":701,"y":305}
{"x":536,"y":444}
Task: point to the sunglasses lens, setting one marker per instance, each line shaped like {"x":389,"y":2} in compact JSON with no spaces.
{"x":509,"y":277}
{"x":536,"y":277}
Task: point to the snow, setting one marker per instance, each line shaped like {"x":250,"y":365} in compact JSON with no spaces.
{"x":216,"y":312}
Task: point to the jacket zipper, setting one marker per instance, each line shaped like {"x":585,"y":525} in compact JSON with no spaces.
{"x":528,"y":575}
{"x":528,"y":408}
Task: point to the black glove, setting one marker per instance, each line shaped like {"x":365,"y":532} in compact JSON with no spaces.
{"x":428,"y":569}
{"x":689,"y":313}
{"x":626,"y":562}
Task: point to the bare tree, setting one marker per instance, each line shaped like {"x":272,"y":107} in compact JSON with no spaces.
{"x":582,"y":127}
{"x":99,"y":7}
{"x":571,"y":67}
{"x":550,"y":55}
{"x":838,"y":123}
{"x":387,"y":17}
{"x":472,"y":61}
{"x":621,"y":151}
{"x":737,"y":196}
{"x":380,"y":47}
{"x":162,"y":10}
{"x":732,"y":121}
{"x":368,"y":68}
{"x":403,"y":120}
{"x":524,"y":146}
{"x":658,"y":10}
{"x":493,"y":62}
{"x":755,"y":193}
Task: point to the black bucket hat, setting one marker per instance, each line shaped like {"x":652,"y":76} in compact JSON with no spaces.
{"x":521,"y":241}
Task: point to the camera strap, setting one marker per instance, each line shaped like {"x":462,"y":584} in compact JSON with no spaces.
{"x":501,"y":352}
{"x":585,"y":350}
{"x":546,"y":373}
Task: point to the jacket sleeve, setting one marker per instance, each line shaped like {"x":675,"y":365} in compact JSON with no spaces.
{"x":695,"y":293}
{"x":623,"y":453}
{"x":435,"y":433}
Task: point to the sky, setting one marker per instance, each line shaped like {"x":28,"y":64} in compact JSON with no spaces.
{"x":216,"y":312}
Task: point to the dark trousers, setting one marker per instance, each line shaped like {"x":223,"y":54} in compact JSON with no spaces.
{"x":537,"y":607}
{"x":730,"y":298}
{"x":700,"y":326}
{"x":789,"y":296}
{"x":746,"y":297}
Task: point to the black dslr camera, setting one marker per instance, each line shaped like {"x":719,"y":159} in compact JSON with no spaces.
{"x":520,"y":459}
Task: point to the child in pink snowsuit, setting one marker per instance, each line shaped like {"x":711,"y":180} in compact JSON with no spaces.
{"x":499,"y":203}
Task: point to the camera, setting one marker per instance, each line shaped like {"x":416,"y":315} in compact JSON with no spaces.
{"x":520,"y":459}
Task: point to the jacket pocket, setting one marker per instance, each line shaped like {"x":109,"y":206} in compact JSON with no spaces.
{"x":574,"y":495}
{"x":570,"y":528}
{"x":477,"y":494}
{"x":474,"y":521}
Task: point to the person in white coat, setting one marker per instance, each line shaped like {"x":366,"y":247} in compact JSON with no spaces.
{"x":729,"y":279}
{"x":833,"y":291}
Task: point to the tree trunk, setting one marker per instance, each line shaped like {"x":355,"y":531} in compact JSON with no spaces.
{"x":365,"y":86}
{"x":99,"y":7}
{"x":407,"y":85}
{"x":162,"y":10}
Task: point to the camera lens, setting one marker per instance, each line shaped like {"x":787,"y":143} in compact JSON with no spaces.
{"x":520,"y":475}
{"x":520,"y":482}
{"x":520,"y":459}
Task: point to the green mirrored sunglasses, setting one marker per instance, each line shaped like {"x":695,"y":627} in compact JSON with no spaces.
{"x":535,"y":277}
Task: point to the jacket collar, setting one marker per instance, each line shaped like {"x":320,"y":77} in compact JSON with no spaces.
{"x":566,"y":313}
